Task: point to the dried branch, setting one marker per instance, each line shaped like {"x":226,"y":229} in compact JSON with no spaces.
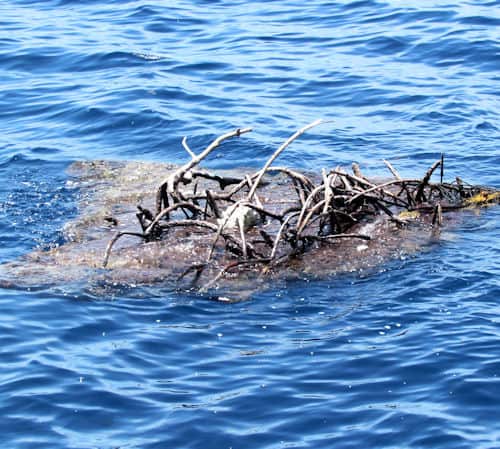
{"x":393,"y":170}
{"x":186,"y":147}
{"x":173,"y":179}
{"x":278,"y":152}
{"x":425,"y":180}
{"x":115,"y":238}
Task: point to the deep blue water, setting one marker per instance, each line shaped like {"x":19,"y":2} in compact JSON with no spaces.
{"x":405,"y":357}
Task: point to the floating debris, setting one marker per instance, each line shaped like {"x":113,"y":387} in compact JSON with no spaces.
{"x":227,"y":230}
{"x":260,"y":230}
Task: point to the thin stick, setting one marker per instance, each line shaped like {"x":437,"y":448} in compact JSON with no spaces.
{"x":186,"y":147}
{"x":213,"y":204}
{"x":223,"y":181}
{"x":242,"y":236}
{"x":326,"y":238}
{"x":311,"y":212}
{"x":267,"y":238}
{"x":304,"y":180}
{"x":263,"y":211}
{"x":307,"y":202}
{"x":278,"y":152}
{"x":393,"y":170}
{"x":336,"y":212}
{"x":174,"y":178}
{"x":168,"y":210}
{"x":442,"y":167}
{"x":114,"y":240}
{"x":357,"y":171}
{"x":328,"y":189}
{"x":280,"y":232}
{"x":381,"y":186}
{"x":230,"y":266}
{"x":197,"y":159}
{"x":301,"y":183}
{"x":198,"y":267}
{"x":329,"y":181}
{"x":345,"y":181}
{"x":187,"y":223}
{"x":229,"y":212}
{"x":425,"y":181}
{"x":362,"y":181}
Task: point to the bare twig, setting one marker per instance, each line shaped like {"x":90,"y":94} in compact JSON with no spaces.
{"x":442,"y":168}
{"x":167,"y":211}
{"x":186,"y":147}
{"x":310,"y":213}
{"x":173,"y":179}
{"x":356,"y":170}
{"x":393,"y":170}
{"x":232,"y":265}
{"x":222,"y":223}
{"x":115,"y":238}
{"x":278,"y":152}
{"x":280,"y":233}
{"x":326,"y":238}
{"x":380,"y":187}
{"x":425,"y":180}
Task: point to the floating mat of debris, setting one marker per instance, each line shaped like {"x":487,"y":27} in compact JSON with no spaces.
{"x":235,"y":231}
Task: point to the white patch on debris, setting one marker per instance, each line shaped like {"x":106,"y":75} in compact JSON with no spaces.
{"x":245,"y":215}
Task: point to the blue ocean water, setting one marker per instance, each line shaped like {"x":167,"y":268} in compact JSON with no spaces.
{"x":405,"y":357}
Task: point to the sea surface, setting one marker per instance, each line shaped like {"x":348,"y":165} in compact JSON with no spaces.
{"x":407,"y":356}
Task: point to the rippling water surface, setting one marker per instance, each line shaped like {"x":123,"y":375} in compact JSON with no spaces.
{"x":406,"y":357}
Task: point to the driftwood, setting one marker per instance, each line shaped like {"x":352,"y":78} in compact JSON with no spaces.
{"x":247,"y":230}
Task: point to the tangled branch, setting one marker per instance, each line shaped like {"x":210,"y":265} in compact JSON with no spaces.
{"x":260,"y":227}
